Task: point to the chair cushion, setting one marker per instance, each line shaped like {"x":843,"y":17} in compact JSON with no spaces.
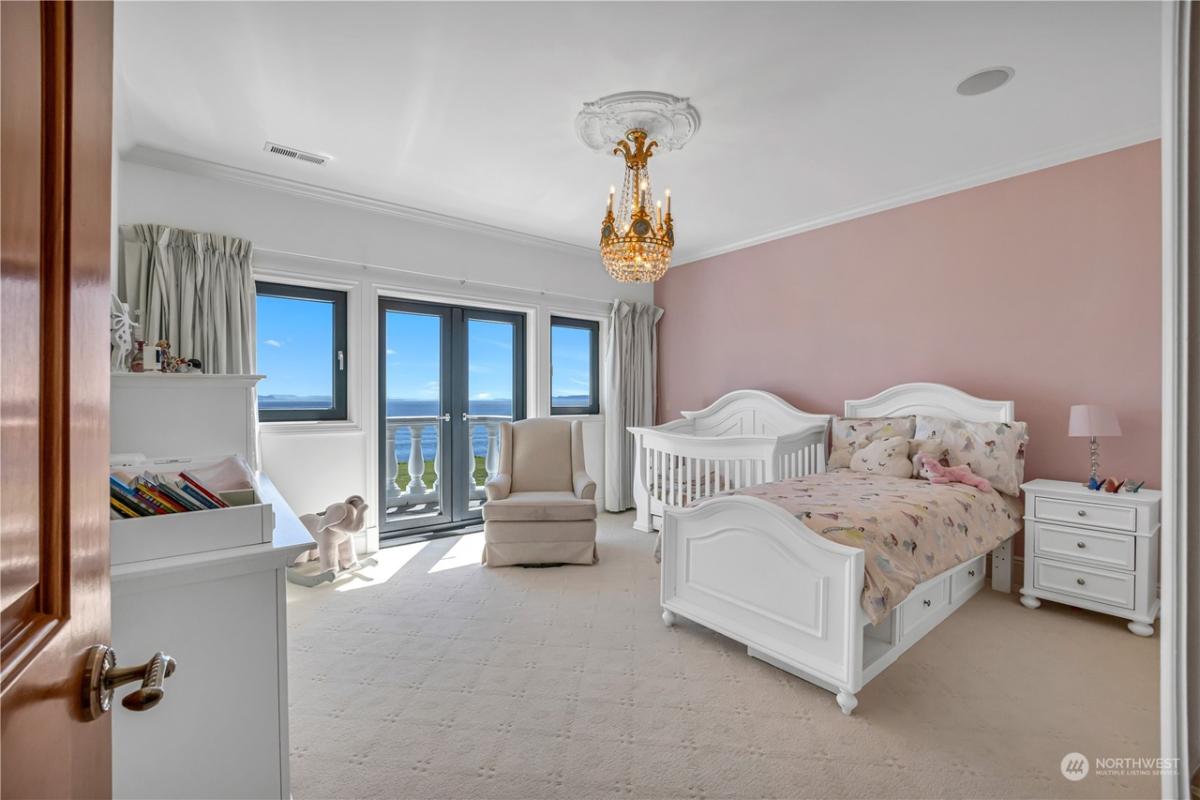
{"x":539,"y":507}
{"x":541,"y":458}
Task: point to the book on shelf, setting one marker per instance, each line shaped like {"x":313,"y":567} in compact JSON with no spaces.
{"x":150,"y":494}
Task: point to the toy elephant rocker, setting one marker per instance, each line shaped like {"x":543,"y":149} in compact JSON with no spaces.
{"x":334,"y":530}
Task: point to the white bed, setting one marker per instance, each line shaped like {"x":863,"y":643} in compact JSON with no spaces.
{"x":747,"y":437}
{"x":748,"y":569}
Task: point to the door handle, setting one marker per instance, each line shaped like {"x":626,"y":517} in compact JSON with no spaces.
{"x":445,"y":417}
{"x":102,"y":677}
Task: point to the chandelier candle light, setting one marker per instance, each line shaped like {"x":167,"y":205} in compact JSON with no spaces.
{"x":635,"y":244}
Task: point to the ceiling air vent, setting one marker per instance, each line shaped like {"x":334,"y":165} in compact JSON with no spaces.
{"x":293,"y":152}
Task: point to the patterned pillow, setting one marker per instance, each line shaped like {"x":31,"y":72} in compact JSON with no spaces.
{"x":849,"y":434}
{"x":993,"y":450}
{"x":883,"y":457}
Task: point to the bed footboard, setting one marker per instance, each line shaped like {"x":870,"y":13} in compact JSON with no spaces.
{"x":749,"y":570}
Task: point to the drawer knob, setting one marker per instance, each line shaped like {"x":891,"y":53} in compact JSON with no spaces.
{"x":971,"y":572}
{"x":1081,"y":513}
{"x":1081,"y":545}
{"x":1080,"y":581}
{"x":928,"y":603}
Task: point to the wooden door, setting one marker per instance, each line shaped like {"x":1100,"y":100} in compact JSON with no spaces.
{"x":55,"y":189}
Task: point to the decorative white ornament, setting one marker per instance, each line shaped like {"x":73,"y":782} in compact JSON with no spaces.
{"x":121,"y":332}
{"x":667,"y":119}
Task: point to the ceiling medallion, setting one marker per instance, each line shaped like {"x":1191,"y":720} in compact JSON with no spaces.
{"x":636,"y":239}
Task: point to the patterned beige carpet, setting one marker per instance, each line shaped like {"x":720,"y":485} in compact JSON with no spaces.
{"x":438,"y":678}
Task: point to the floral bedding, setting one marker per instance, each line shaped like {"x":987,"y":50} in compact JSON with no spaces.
{"x":910,"y":530}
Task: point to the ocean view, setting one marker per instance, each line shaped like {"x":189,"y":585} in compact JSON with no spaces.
{"x":402,"y":407}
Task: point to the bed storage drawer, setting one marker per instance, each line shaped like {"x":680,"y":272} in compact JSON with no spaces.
{"x":1093,"y":547}
{"x":926,"y":602}
{"x":1094,"y":515}
{"x":967,"y":579}
{"x":1091,"y":583}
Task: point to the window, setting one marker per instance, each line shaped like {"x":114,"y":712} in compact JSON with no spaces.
{"x":574,"y":366}
{"x":302,"y":352}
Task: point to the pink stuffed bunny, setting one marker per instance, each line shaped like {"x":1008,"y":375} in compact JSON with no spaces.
{"x":936,"y":473}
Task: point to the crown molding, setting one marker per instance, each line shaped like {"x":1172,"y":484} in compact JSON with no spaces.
{"x":1051,"y":158}
{"x":203,"y":168}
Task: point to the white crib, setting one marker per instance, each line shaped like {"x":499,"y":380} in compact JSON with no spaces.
{"x":745,"y":438}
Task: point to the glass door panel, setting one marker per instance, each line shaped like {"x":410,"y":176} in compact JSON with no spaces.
{"x":414,"y":376}
{"x":449,"y":376}
{"x":494,"y":393}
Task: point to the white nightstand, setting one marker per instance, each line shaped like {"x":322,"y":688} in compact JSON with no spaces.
{"x":1093,"y":550}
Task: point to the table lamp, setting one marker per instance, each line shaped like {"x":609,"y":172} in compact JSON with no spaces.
{"x":1093,"y":421}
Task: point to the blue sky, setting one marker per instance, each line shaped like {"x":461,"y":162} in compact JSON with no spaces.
{"x":293,"y":336}
{"x":295,"y":340}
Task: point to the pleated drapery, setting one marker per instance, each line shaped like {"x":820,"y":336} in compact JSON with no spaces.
{"x":630,"y":382}
{"x":196,"y":290}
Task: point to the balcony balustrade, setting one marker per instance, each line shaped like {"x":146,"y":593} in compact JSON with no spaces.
{"x":417,"y":491}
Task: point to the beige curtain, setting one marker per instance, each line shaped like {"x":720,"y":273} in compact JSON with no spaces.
{"x":196,"y":290}
{"x":631,"y":392}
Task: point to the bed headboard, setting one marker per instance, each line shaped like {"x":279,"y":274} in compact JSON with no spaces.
{"x":933,"y":399}
{"x":751,"y":411}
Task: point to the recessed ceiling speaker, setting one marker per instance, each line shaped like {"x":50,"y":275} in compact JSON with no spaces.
{"x":986,"y":81}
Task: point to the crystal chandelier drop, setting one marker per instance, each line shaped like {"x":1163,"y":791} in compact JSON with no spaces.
{"x":636,"y":239}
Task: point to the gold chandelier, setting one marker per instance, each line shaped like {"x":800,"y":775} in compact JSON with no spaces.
{"x":636,"y":241}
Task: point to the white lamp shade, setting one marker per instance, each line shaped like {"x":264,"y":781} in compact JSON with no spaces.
{"x":1093,"y":420}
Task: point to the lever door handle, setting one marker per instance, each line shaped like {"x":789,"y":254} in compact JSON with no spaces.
{"x":102,"y":677}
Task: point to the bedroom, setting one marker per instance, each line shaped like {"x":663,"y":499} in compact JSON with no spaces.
{"x":390,"y":280}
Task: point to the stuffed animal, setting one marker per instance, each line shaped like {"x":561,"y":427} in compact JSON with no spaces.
{"x":883,"y":457}
{"x":936,"y":473}
{"x":334,"y":530}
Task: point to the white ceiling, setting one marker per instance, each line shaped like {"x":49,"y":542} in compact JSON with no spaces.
{"x":810,"y":111}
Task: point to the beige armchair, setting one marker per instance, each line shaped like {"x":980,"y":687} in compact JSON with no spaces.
{"x":541,"y":506}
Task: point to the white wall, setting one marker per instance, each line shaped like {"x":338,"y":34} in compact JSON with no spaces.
{"x":310,"y":241}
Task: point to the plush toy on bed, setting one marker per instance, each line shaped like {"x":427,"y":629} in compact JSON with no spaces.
{"x":936,"y":473}
{"x":883,"y":457}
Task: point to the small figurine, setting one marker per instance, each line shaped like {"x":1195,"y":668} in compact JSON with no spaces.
{"x":163,"y":348}
{"x":1112,"y":485}
{"x":1095,"y":484}
{"x":139,"y":357}
{"x":1132,"y":486}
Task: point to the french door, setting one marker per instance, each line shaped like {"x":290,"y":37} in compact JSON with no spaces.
{"x":448,"y":376}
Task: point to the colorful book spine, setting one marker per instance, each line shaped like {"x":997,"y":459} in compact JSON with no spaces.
{"x":200,"y":487}
{"x":167,"y":487}
{"x":193,"y":493}
{"x":149,"y":497}
{"x":129,"y":497}
{"x":148,"y":484}
{"x":123,"y":511}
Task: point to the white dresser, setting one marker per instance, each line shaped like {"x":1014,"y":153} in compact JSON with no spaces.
{"x":1094,"y":550}
{"x":207,"y":589}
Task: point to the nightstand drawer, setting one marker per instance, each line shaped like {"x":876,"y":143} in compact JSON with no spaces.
{"x":923,"y":604}
{"x":1102,"y":586}
{"x":1092,"y":547}
{"x":1118,"y":518}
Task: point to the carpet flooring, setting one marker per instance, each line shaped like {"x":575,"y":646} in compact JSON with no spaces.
{"x":431,"y":676}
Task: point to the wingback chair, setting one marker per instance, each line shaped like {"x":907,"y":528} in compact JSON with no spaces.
{"x":541,"y":506}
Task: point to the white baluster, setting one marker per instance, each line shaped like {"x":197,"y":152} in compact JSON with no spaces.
{"x":472,"y":486}
{"x":390,"y":465}
{"x":492,"y":460}
{"x":416,"y":460}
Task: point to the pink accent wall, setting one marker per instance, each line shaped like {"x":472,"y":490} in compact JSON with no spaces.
{"x":1043,"y":289}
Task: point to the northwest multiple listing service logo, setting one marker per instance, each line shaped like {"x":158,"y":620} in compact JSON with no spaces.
{"x":1074,"y":766}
